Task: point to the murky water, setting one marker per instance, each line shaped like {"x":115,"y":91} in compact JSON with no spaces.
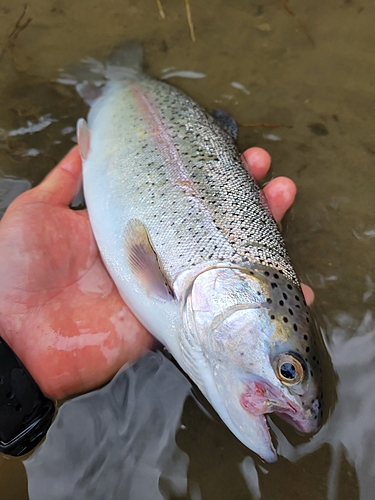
{"x":308,"y":69}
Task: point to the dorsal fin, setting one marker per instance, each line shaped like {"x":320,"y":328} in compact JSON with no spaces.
{"x":226,"y":122}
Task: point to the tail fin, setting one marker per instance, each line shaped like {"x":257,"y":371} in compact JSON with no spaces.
{"x":128,"y":54}
{"x":90,"y":75}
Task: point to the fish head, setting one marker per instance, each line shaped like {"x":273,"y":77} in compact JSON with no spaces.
{"x":259,"y":342}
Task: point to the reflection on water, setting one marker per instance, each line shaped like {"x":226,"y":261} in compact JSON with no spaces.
{"x":350,"y":430}
{"x":118,"y":442}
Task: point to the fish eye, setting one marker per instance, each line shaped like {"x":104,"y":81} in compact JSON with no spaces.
{"x":289,"y":369}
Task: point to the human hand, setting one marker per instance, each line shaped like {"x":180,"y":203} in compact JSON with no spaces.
{"x":59,"y":309}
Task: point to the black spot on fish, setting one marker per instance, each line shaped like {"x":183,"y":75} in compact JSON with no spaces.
{"x":306,"y":337}
{"x":307,"y":349}
{"x":285,"y":319}
{"x":291,"y":312}
{"x":281,"y":302}
{"x":295,"y":327}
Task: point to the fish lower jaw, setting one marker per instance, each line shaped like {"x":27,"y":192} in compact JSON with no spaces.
{"x":271,"y":455}
{"x":264,"y":447}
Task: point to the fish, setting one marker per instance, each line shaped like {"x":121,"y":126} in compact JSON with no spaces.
{"x":187,"y":236}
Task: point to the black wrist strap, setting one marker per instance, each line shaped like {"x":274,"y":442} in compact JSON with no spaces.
{"x":25,"y":413}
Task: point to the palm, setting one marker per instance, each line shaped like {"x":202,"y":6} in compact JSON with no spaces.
{"x":62,"y":313}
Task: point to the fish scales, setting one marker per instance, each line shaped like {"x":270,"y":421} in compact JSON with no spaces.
{"x":211,"y":209}
{"x":194,"y":251}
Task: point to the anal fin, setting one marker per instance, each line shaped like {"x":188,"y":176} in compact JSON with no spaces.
{"x":143,"y":261}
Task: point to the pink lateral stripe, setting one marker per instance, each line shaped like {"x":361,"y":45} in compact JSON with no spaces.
{"x":164,"y":142}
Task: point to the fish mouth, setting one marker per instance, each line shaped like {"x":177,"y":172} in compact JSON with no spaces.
{"x":243,"y":402}
{"x":260,"y":398}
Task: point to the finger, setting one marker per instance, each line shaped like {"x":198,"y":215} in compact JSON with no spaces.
{"x":308,"y":292}
{"x":257,"y":162}
{"x":63,"y":182}
{"x":280,"y":194}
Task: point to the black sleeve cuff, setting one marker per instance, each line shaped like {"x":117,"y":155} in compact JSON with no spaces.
{"x":25,"y":413}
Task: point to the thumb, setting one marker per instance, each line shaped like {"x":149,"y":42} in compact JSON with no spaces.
{"x":63,"y":182}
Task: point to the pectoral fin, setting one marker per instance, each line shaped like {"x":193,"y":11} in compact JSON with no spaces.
{"x":144,"y":263}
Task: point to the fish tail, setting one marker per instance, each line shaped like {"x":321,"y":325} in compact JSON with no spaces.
{"x":128,"y":54}
{"x":91,"y":75}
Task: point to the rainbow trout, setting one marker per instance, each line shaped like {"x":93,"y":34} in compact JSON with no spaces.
{"x":190,"y":243}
